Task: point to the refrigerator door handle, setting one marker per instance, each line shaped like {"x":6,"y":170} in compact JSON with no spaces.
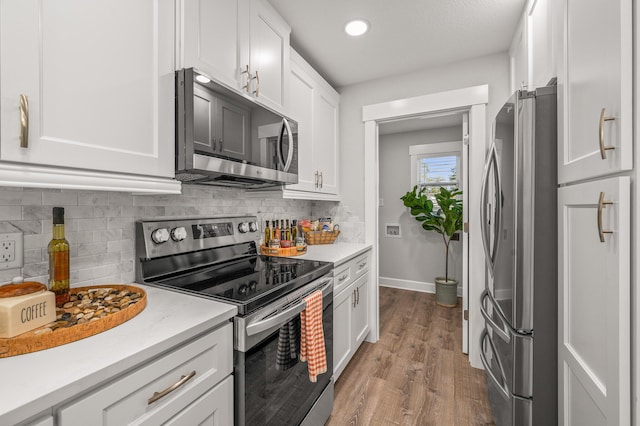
{"x":505,"y":331}
{"x":500,"y":384}
{"x":492,"y":162}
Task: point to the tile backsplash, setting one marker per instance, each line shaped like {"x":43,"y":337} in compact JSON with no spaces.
{"x":100,"y":225}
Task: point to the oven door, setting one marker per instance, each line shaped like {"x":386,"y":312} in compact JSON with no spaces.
{"x":271,"y":389}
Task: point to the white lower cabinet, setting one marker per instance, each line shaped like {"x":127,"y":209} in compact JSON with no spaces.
{"x":47,"y":420}
{"x":190,"y":385}
{"x":350,"y":310}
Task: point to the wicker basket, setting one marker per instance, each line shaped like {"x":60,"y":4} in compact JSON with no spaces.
{"x":320,"y":237}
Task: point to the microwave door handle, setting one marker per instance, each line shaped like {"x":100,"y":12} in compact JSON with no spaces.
{"x":279,"y":319}
{"x":287,"y":163}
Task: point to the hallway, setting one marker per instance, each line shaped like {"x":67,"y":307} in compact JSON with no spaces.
{"x":416,"y":374}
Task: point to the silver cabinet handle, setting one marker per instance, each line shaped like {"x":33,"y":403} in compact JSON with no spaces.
{"x":213,"y":144}
{"x":353,"y":297}
{"x":24,"y":121}
{"x":257,"y":91}
{"x":603,"y":148}
{"x":316,"y":178}
{"x":247,"y":86}
{"x":342,"y":278}
{"x":362,"y":265}
{"x":601,"y":204}
{"x":220,"y":145}
{"x":321,"y":180}
{"x":357,"y":295}
{"x":157,"y":395}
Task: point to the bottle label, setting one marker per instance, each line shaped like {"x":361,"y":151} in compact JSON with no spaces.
{"x":60,"y":270}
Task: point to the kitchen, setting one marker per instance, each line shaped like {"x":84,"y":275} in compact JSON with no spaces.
{"x":102,"y":221}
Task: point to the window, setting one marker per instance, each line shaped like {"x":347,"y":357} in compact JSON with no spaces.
{"x":435,"y":165}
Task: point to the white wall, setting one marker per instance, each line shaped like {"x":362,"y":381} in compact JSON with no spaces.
{"x":418,"y":256}
{"x":492,"y":70}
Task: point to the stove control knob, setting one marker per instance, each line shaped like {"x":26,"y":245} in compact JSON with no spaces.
{"x":243,"y":227}
{"x":178,"y":234}
{"x":242,"y":290}
{"x":253,"y":226}
{"x":160,"y":235}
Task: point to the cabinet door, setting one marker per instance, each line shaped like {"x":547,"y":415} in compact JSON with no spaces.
{"x":213,"y":36}
{"x":540,"y":29}
{"x":518,"y":58}
{"x":597,"y":89}
{"x":343,"y":305}
{"x":301,"y":96}
{"x":100,"y":89}
{"x":214,"y":408}
{"x":361,"y":311}
{"x":594,"y":310}
{"x":205,"y":132}
{"x":325,"y":142}
{"x":269,"y":55}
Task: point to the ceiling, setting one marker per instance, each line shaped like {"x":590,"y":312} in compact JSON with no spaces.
{"x":405,"y":35}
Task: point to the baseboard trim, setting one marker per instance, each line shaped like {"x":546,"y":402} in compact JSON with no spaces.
{"x":421,"y":286}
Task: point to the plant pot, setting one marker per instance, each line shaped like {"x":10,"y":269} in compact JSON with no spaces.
{"x":446,"y":292}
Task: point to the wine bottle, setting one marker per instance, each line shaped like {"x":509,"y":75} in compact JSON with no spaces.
{"x":267,"y":235}
{"x":59,"y":259}
{"x":287,"y":231}
{"x":276,"y":230}
{"x":294,"y":230}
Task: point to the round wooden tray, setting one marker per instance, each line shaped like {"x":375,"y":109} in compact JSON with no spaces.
{"x":31,"y":342}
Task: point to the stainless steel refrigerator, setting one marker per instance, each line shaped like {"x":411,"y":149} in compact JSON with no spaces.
{"x":519,"y":221}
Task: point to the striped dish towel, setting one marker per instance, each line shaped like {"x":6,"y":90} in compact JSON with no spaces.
{"x":312,"y":336}
{"x":288,"y":341}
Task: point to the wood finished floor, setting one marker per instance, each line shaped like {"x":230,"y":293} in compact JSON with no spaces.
{"x":416,"y":374}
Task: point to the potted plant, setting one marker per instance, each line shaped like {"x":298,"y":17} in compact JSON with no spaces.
{"x":446,"y":220}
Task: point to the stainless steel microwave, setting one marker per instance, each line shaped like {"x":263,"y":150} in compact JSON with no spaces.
{"x":224,"y":138}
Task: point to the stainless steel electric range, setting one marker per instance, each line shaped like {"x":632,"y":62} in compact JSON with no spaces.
{"x":218,"y":258}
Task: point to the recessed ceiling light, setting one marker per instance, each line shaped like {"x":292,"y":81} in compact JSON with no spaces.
{"x":202,"y":79}
{"x":357,"y":27}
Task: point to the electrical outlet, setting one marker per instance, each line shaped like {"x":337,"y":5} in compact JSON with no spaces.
{"x":7,"y":251}
{"x":11,"y":250}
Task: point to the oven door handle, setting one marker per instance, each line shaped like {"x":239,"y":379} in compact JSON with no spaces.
{"x":280,"y":318}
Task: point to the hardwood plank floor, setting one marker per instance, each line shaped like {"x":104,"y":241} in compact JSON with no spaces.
{"x":416,"y":374}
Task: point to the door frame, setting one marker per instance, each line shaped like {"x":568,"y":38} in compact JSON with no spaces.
{"x":474,"y":100}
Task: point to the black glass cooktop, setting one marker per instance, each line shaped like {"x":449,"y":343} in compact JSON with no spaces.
{"x":250,"y":282}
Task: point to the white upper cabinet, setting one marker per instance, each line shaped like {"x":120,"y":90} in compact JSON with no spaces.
{"x":596,"y":89}
{"x":92,"y":82}
{"x":243,"y":44}
{"x":314,"y":104}
{"x":518,"y":58}
{"x":269,"y":59}
{"x":541,"y":61}
{"x":212,"y":37}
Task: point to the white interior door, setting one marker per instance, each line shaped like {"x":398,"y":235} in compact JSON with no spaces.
{"x":594,"y":303}
{"x":465,"y":233}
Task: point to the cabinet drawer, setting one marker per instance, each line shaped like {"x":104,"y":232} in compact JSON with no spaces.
{"x":213,"y":408}
{"x":126,"y":400}
{"x":341,"y":277}
{"x":360,"y":265}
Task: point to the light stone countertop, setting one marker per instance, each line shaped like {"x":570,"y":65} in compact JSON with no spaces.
{"x":336,"y":253}
{"x":34,"y":382}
